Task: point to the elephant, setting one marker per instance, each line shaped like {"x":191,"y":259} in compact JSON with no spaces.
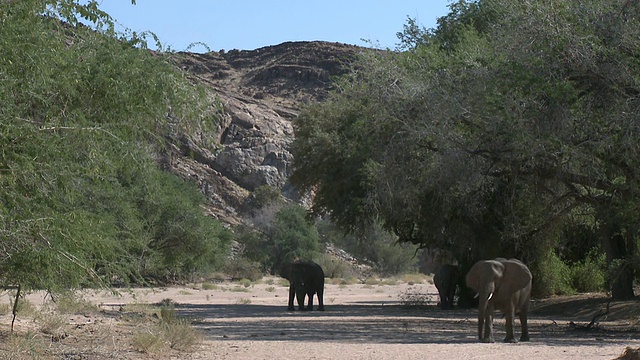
{"x":306,"y":278}
{"x":446,"y":280}
{"x":504,"y":285}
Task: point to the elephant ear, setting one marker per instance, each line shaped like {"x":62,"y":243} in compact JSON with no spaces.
{"x":518,"y":274}
{"x":285,"y":270}
{"x":485,"y":276}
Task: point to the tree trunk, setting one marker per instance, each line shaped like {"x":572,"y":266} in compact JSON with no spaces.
{"x":620,"y":254}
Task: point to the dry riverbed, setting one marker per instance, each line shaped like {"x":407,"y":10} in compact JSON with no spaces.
{"x":250,"y":321}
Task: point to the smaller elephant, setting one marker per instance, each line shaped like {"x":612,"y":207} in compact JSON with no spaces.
{"x":504,"y":285}
{"x":306,"y":278}
{"x":446,"y":280}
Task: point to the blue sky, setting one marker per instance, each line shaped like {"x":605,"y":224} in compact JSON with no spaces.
{"x":250,"y":24}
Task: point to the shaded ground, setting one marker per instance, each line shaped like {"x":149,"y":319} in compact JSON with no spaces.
{"x":361,"y":322}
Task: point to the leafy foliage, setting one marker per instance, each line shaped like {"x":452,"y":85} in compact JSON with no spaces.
{"x":279,"y":233}
{"x":84,"y":116}
{"x":508,"y":122}
{"x":589,"y":275}
{"x":373,"y":246}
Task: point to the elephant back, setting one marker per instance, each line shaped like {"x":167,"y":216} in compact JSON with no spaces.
{"x":520,"y":282}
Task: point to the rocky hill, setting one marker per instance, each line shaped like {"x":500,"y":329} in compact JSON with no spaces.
{"x":260,"y":92}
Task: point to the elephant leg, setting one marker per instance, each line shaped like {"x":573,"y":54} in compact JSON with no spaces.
{"x":310,"y":305}
{"x":450,"y":297}
{"x":292,"y":294}
{"x":525,"y":327}
{"x":509,"y":315}
{"x":300,"y":295}
{"x":320,"y":294}
{"x":443,"y":299}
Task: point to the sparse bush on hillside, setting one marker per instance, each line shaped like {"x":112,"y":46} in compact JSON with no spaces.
{"x":264,"y":196}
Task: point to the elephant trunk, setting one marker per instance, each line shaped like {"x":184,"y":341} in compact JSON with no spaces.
{"x":485,"y":313}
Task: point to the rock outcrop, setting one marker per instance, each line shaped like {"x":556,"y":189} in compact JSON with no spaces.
{"x":261,"y":91}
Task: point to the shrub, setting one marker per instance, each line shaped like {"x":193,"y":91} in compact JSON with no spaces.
{"x":180,"y":334}
{"x":554,"y":277}
{"x":280,"y":233}
{"x":414,"y":278}
{"x":148,"y":342}
{"x":209,"y":286}
{"x":242,"y":268}
{"x":263,"y":196}
{"x":335,"y":267}
{"x":589,"y":275}
{"x":53,"y":324}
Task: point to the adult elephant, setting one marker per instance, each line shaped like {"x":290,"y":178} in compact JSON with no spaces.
{"x":446,"y":281}
{"x":504,"y":285}
{"x":306,"y":278}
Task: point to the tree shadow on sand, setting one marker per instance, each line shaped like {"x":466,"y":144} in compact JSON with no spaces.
{"x":373,"y":323}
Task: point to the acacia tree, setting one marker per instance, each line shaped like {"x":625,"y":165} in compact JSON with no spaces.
{"x":84,"y":113}
{"x":505,"y":122}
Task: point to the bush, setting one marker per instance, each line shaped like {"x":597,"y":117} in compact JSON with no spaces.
{"x":242,"y":268}
{"x":264,"y":196}
{"x":553,"y":277}
{"x":334,"y":267}
{"x":280,"y":233}
{"x":375,"y":246}
{"x":589,"y":275}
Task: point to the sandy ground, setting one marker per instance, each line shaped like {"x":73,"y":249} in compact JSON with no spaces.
{"x":360,"y":322}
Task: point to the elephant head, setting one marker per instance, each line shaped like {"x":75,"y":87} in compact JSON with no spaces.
{"x":504,"y":285}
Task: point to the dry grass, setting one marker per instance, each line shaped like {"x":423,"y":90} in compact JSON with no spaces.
{"x":209,"y":286}
{"x":55,"y":325}
{"x":170,"y":332}
{"x":415,"y":278}
{"x":149,"y":342}
{"x":70,"y":303}
{"x":181,"y":335}
{"x":23,"y":346}
{"x":75,"y":327}
{"x":630,"y":354}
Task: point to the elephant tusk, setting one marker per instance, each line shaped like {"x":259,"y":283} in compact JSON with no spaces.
{"x":490,"y":296}
{"x":477,"y":295}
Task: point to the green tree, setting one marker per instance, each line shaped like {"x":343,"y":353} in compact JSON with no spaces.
{"x":85,"y":113}
{"x":512,"y":120}
{"x":278,"y":234}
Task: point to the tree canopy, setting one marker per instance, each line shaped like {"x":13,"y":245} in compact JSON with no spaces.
{"x":491,"y":135}
{"x":84,"y":117}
